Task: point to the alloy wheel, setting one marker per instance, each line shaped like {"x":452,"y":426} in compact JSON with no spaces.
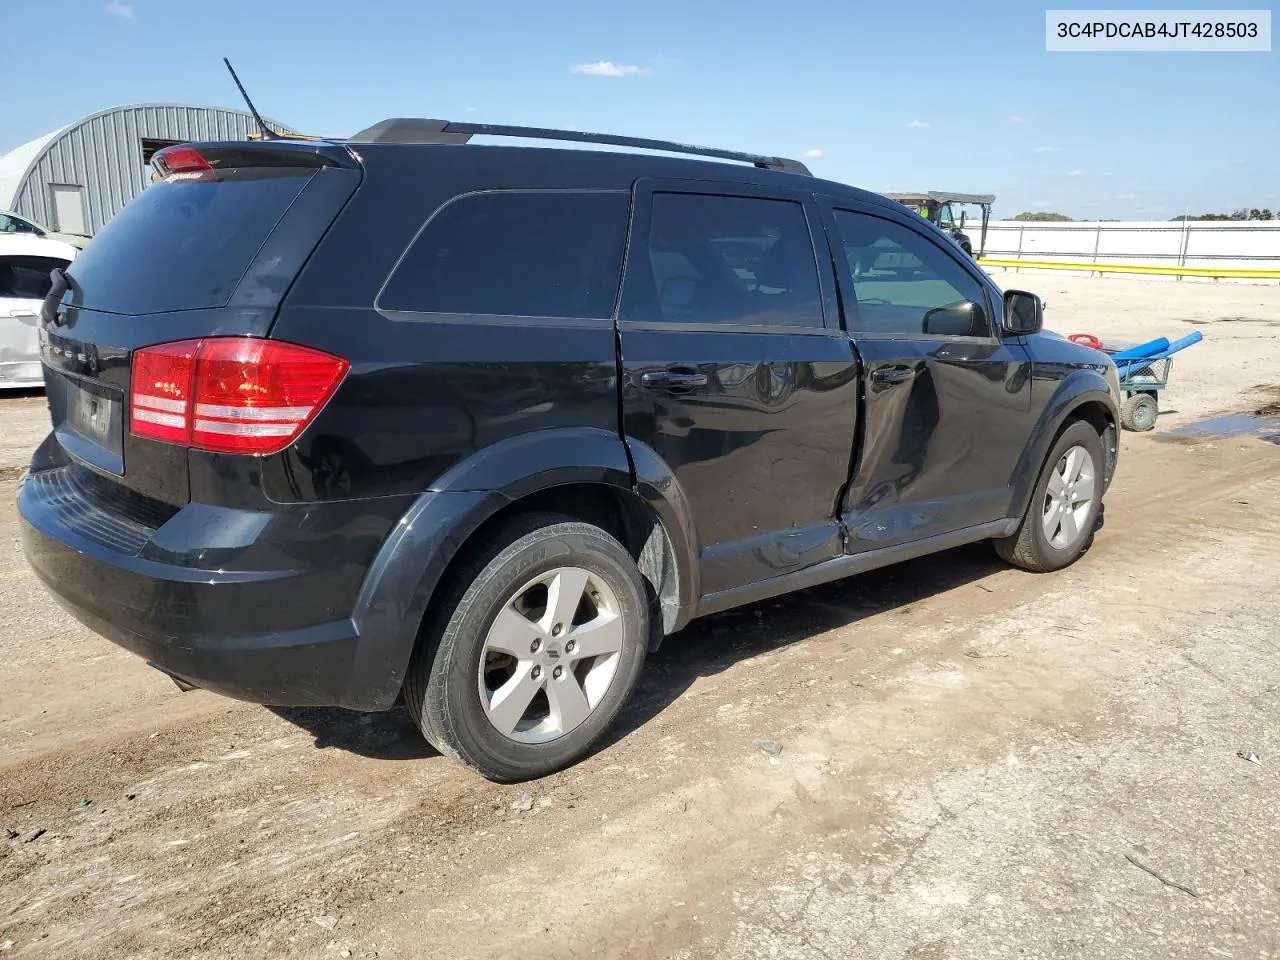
{"x":550,"y":655}
{"x":1069,"y":498}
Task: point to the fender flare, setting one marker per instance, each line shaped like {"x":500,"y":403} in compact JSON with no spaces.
{"x":1077,"y":389}
{"x":413,"y":558}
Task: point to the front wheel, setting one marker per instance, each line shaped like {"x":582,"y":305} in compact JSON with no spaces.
{"x":534,"y":650}
{"x":1060,"y":519}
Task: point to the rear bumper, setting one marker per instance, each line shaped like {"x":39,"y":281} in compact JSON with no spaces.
{"x":21,"y":374}
{"x":309,"y":666}
{"x":300,"y":606}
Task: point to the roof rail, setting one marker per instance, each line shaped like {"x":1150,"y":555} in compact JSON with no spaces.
{"x":408,"y":130}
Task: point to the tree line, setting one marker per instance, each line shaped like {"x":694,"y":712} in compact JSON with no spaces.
{"x":1244,"y":213}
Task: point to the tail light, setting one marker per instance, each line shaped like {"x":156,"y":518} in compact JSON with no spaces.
{"x":230,"y":394}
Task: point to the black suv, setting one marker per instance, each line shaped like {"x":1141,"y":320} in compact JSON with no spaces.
{"x":339,"y":422}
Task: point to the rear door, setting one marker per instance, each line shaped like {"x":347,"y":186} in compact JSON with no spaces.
{"x":206,"y":251}
{"x":736,"y":374}
{"x":947,"y":401}
{"x":24,"y":282}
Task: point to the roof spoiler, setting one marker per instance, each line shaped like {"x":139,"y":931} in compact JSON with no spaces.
{"x":410,"y":130}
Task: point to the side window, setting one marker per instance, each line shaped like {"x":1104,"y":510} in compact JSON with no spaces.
{"x":10,"y":224}
{"x":721,"y":259}
{"x":516,"y":253}
{"x":905,"y":284}
{"x":27,"y":278}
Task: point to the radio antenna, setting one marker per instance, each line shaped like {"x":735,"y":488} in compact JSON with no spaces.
{"x":267,"y":132}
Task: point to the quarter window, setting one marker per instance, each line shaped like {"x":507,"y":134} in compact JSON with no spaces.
{"x":515,"y":253}
{"x":722,"y":259}
{"x":904,"y":283}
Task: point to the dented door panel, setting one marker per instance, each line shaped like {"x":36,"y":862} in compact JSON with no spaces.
{"x":939,"y":447}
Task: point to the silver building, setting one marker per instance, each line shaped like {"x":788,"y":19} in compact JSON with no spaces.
{"x":77,"y":178}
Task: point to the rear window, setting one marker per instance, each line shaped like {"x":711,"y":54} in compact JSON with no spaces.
{"x":515,"y":253}
{"x":27,"y":278}
{"x":184,"y":245}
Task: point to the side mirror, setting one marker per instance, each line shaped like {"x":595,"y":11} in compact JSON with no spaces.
{"x":1023,"y":312}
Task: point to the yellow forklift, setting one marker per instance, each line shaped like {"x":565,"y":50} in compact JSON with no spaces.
{"x":936,"y":207}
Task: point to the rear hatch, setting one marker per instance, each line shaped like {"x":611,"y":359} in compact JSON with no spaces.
{"x":209,"y":250}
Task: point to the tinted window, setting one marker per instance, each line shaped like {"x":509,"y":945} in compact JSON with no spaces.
{"x":712,"y":259}
{"x":515,"y":253}
{"x":27,"y":277}
{"x":183,"y":245}
{"x":904,"y":283}
{"x":10,"y":224}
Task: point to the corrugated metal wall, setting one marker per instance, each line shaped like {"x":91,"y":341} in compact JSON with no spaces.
{"x":103,"y":154}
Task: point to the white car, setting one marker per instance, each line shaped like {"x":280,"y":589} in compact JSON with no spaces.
{"x":11,"y":222}
{"x":25,"y":266}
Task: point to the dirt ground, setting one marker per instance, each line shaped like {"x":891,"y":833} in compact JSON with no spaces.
{"x":976,"y":762}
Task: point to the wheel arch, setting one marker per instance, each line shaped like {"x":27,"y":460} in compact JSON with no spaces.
{"x":1082,"y":396}
{"x":622,"y":512}
{"x":584,"y":473}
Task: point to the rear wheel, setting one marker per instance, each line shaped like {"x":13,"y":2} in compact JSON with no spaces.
{"x":1060,"y":520}
{"x":536,"y":648}
{"x":1139,"y":412}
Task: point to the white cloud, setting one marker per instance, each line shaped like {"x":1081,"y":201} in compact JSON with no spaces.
{"x":118,"y":9}
{"x":1075,"y":173}
{"x":917,"y":125}
{"x":1046,"y":150}
{"x":813,"y":154}
{"x":1044,"y":203}
{"x":1016,"y":119}
{"x":607,"y":68}
{"x":1127,"y":196}
{"x":1093,"y":203}
{"x":472,"y":109}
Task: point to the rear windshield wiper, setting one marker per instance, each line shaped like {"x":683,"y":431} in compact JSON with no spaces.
{"x":49,"y":309}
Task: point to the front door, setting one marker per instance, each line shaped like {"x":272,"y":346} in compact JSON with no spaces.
{"x":736,"y":374}
{"x":947,"y":400}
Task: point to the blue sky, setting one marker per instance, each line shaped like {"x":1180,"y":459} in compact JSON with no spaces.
{"x":895,"y":95}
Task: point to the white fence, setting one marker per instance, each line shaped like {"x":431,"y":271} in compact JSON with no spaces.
{"x":1231,"y":245}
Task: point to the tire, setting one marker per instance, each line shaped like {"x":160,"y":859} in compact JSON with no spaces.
{"x":570,"y":697}
{"x":1138,"y":413}
{"x":1035,"y":548}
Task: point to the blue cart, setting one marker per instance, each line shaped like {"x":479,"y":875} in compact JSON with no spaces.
{"x":1144,"y":372}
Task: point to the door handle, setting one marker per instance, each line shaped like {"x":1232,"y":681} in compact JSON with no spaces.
{"x":888,"y":376}
{"x":674,"y":380}
{"x":23,"y":314}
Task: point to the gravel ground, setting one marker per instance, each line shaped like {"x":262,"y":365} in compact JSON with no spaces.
{"x":974,"y":761}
